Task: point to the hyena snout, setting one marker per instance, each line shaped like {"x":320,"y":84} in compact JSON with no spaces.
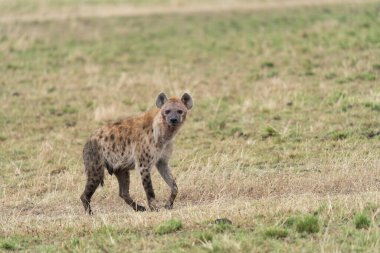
{"x":174,"y":121}
{"x":174,"y":117}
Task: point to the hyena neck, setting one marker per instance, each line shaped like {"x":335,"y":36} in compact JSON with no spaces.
{"x":163,"y":133}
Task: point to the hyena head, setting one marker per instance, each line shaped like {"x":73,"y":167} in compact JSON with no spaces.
{"x":174,"y":110}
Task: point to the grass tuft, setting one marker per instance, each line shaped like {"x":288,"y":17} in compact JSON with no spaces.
{"x":204,"y":236}
{"x":376,"y":66}
{"x":366,"y":77}
{"x":277,"y":233}
{"x":373,"y":106}
{"x":270,"y":131}
{"x":10,"y":244}
{"x":308,"y":224}
{"x":3,"y":137}
{"x":222,"y":227}
{"x":267,"y":64}
{"x":362,"y":221}
{"x":291,"y":222}
{"x":167,"y":227}
{"x":338,"y":135}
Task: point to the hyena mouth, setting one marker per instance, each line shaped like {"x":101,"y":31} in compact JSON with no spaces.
{"x":174,"y":125}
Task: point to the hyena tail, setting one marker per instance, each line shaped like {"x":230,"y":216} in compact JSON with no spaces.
{"x":94,"y":168}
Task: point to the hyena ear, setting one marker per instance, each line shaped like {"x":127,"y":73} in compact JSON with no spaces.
{"x":161,"y":100}
{"x":187,"y":100}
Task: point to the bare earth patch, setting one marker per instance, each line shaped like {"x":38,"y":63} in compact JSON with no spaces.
{"x":106,"y":11}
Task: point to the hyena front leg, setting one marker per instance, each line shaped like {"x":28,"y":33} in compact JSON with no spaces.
{"x":164,"y":169}
{"x":123,"y":178}
{"x":147,"y":183}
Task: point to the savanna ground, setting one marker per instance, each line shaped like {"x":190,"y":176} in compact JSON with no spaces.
{"x":283,"y":140}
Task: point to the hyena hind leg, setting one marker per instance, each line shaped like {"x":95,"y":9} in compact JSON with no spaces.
{"x":95,"y":173}
{"x":91,"y":186}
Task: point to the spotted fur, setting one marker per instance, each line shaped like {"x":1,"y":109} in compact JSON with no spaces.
{"x":140,"y":142}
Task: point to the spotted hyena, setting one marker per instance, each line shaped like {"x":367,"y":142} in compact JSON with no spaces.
{"x":138,"y":142}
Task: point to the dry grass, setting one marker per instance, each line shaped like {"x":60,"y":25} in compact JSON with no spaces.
{"x":285,"y":124}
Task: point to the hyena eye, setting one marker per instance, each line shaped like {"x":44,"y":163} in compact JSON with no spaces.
{"x":167,"y":111}
{"x":180,"y":111}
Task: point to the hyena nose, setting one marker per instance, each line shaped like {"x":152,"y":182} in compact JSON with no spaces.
{"x":173,"y":120}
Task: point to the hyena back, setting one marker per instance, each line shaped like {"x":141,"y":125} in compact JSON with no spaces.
{"x":141,"y":142}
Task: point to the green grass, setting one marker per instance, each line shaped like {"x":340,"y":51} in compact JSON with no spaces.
{"x":25,"y":6}
{"x":308,"y":224}
{"x":277,"y":233}
{"x":169,"y":226}
{"x":221,"y":227}
{"x":373,"y":106}
{"x":362,"y":221}
{"x":283,"y":138}
{"x":9,"y":245}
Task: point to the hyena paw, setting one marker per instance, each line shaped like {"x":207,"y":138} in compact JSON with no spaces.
{"x":139,"y":208}
{"x":153,"y":206}
{"x":86,"y":205}
{"x":169,"y":206}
